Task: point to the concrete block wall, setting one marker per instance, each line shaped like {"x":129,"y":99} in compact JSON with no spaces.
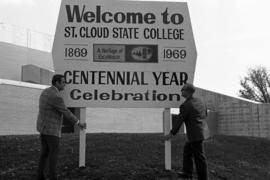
{"x":264,"y":119}
{"x":237,"y":116}
{"x":212,"y":99}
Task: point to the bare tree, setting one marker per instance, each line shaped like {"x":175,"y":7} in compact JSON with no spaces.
{"x":256,"y":85}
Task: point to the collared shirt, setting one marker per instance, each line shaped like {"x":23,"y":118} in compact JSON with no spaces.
{"x":56,"y":89}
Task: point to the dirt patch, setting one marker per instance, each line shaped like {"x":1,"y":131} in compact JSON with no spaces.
{"x":135,"y":157}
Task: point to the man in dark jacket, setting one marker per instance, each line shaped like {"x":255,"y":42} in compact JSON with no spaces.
{"x":49,"y":122}
{"x":192,"y":113}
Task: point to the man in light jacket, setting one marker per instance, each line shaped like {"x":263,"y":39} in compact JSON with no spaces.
{"x":193,"y":113}
{"x":49,"y":123}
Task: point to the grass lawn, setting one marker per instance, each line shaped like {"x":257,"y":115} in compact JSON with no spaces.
{"x":135,"y":157}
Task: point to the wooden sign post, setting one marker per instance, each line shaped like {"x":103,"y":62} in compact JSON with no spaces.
{"x":166,"y":130}
{"x":82,"y":145}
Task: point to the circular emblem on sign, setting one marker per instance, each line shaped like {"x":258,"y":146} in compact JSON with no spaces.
{"x":141,"y":53}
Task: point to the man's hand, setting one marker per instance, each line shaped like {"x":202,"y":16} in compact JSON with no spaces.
{"x":82,"y":126}
{"x":168,"y":137}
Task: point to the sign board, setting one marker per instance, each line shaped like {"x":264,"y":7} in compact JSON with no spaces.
{"x":124,"y":53}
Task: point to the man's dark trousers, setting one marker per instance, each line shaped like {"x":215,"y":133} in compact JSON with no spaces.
{"x":195,"y":150}
{"x":49,"y":152}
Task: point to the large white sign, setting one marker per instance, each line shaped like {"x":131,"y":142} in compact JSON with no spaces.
{"x":124,"y":53}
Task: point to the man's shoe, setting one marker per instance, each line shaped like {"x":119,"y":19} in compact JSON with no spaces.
{"x":184,"y":175}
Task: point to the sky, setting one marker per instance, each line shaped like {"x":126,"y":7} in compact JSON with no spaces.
{"x":231,"y":36}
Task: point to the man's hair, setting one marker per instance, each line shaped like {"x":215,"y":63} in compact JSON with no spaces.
{"x":57,"y":78}
{"x":189,"y":87}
